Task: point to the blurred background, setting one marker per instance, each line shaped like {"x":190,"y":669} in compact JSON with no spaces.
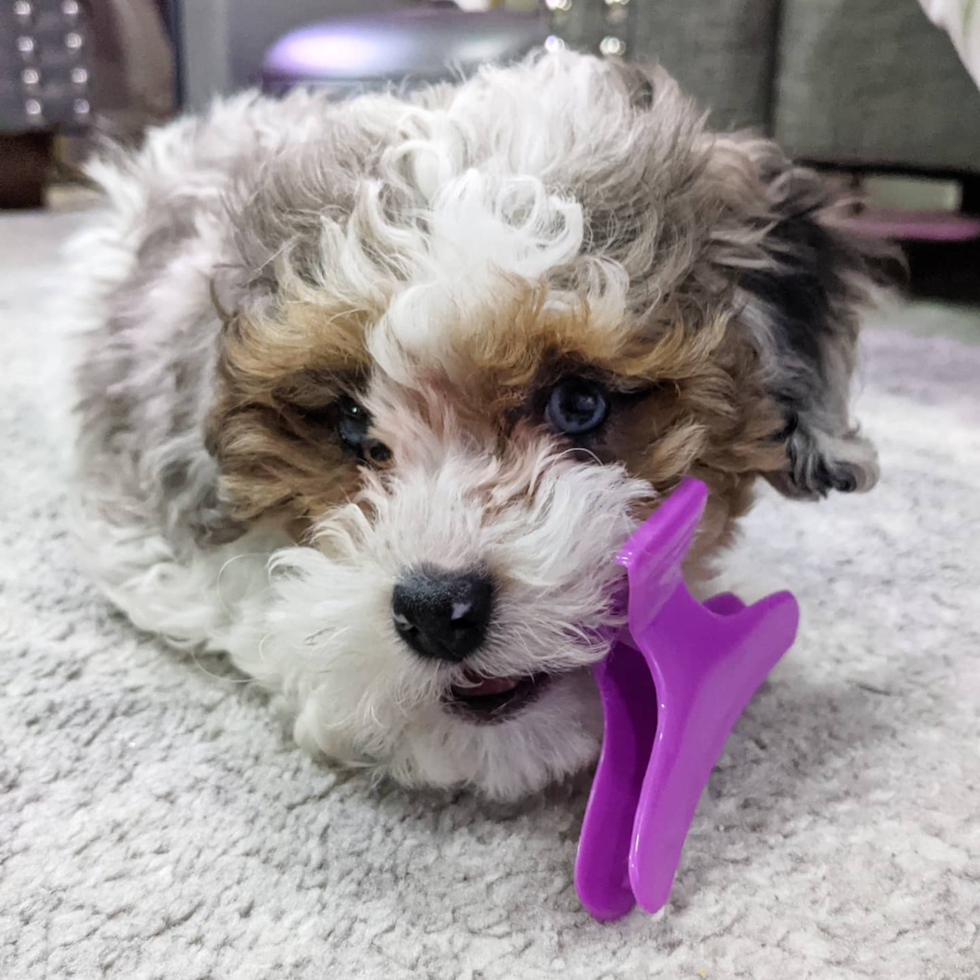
{"x":878,"y":93}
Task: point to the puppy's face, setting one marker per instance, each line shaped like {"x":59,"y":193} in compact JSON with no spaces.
{"x":462,"y":435}
{"x":462,"y":501}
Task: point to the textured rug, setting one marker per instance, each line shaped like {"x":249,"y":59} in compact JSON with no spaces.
{"x":156,"y":823}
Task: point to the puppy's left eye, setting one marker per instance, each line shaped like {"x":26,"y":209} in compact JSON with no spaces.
{"x":576,"y":406}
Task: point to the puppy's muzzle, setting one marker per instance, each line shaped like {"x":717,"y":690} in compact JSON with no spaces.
{"x":443,"y":615}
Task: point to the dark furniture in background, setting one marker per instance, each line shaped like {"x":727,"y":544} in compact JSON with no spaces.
{"x":854,"y":84}
{"x":44,"y":86}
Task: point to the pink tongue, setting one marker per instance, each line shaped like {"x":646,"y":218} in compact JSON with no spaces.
{"x":475,"y":688}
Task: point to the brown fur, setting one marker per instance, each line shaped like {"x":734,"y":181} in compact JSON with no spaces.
{"x":270,"y":427}
{"x":689,"y":401}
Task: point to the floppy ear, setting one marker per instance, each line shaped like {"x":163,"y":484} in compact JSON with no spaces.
{"x":800,"y":289}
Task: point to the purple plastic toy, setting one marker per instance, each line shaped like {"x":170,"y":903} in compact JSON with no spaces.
{"x":672,"y":687}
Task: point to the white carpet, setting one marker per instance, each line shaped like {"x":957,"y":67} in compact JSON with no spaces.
{"x":154,"y":822}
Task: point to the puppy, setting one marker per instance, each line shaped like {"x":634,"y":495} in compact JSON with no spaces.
{"x":371,"y":392}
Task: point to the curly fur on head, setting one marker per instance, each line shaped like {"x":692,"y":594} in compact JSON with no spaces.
{"x":324,"y":346}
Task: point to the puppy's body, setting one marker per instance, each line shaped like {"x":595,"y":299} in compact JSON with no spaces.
{"x":436,"y":356}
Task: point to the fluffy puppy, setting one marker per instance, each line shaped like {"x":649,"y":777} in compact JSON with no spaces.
{"x":371,"y":392}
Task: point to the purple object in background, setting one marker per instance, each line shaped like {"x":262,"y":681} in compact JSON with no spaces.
{"x":421,"y":44}
{"x":916,"y":226}
{"x":672,"y":687}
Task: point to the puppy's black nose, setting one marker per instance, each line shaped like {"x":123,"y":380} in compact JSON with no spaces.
{"x":443,"y":614}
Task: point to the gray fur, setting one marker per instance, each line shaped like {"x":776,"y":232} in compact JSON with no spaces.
{"x":240,"y":200}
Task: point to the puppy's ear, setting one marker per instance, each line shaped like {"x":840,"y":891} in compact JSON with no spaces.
{"x":801,"y":285}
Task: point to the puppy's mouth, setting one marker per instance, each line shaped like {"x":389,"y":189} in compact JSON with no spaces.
{"x":492,"y":699}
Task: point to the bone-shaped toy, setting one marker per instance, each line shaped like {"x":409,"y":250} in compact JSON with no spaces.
{"x":672,"y":687}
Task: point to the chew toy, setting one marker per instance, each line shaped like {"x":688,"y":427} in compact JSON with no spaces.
{"x":672,"y":687}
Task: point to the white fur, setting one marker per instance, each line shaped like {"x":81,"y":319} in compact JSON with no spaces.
{"x":330,"y":646}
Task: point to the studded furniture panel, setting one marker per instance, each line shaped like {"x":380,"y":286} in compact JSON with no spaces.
{"x":45,"y":65}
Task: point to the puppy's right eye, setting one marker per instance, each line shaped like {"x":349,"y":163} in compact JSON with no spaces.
{"x":353,"y":423}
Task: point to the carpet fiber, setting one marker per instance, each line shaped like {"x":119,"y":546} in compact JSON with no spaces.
{"x":155,"y":822}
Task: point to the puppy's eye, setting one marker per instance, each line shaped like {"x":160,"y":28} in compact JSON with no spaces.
{"x":576,"y":406}
{"x":353,"y":422}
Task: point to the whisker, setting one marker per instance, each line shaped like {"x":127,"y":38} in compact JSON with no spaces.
{"x":576,"y":451}
{"x":221,"y":571}
{"x":224,"y":678}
